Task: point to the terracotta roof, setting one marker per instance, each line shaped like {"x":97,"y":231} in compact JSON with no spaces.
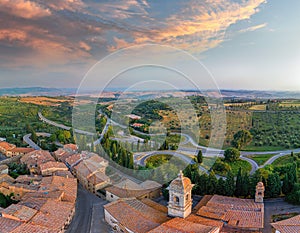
{"x":238,"y":213}
{"x":204,"y":221}
{"x":62,"y":154}
{"x":22,"y":150}
{"x":53,"y":166}
{"x":7,"y":225}
{"x":127,"y":188}
{"x":30,"y":228}
{"x":290,"y":225}
{"x":19,"y":212}
{"x":135,"y":215}
{"x":3,"y":167}
{"x":179,"y":225}
{"x":7,"y":146}
{"x":181,"y":183}
{"x":37,"y":157}
{"x":53,"y":214}
{"x":28,"y":179}
{"x":33,"y":202}
{"x":74,"y":159}
{"x":155,"y":205}
{"x":6,"y":178}
{"x":73,"y":147}
{"x":58,"y":183}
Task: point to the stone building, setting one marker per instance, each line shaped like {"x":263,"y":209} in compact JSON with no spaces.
{"x":180,"y":197}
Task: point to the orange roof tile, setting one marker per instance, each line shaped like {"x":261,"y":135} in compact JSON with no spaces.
{"x":30,"y":228}
{"x":8,"y":225}
{"x":180,"y":225}
{"x":53,"y":214}
{"x":135,"y":215}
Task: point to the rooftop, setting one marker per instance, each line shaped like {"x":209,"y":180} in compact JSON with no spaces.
{"x":135,"y":215}
{"x":290,"y":225}
{"x":180,"y":225}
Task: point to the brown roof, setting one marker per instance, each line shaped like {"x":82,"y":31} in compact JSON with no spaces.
{"x":22,"y":150}
{"x":62,"y":154}
{"x":181,"y":183}
{"x":135,"y":215}
{"x":33,"y":202}
{"x":28,"y":179}
{"x":37,"y":157}
{"x":204,"y":221}
{"x":238,"y":213}
{"x":7,"y":146}
{"x":20,"y":212}
{"x":74,"y":159}
{"x":73,"y":147}
{"x":53,"y":214}
{"x":7,"y":225}
{"x":53,"y":165}
{"x":58,"y":183}
{"x":290,"y":225}
{"x":155,"y":205}
{"x":30,"y":228}
{"x":179,"y":225}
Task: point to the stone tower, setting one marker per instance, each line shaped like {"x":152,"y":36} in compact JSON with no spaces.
{"x":259,"y":195}
{"x":180,"y":197}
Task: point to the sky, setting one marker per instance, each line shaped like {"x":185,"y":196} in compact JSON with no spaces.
{"x":244,"y":44}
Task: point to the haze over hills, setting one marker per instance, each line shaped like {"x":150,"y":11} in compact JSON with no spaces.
{"x":42,"y":91}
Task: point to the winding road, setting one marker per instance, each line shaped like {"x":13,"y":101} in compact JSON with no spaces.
{"x":181,"y":151}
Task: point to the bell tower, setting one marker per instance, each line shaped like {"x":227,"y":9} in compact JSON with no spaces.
{"x":259,"y":194}
{"x":180,"y":197}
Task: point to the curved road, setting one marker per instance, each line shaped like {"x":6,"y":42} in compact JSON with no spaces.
{"x":207,"y":151}
{"x":44,"y":119}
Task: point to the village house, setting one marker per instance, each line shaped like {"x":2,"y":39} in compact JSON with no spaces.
{"x":34,"y":159}
{"x":48,"y":168}
{"x":18,"y":151}
{"x":128,"y":189}
{"x":290,"y":225}
{"x":5,"y":146}
{"x":213,"y":214}
{"x":91,"y":173}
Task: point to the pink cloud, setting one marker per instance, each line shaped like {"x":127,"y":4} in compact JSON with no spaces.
{"x":24,"y":9}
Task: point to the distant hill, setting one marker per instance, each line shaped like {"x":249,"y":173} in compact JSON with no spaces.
{"x":36,"y":91}
{"x":43,"y":91}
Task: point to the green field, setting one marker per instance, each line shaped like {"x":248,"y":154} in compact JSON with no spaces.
{"x":283,"y":160}
{"x":261,"y":159}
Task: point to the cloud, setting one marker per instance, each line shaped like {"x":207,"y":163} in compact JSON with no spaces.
{"x":23,"y":9}
{"x":253,"y":28}
{"x":67,"y":31}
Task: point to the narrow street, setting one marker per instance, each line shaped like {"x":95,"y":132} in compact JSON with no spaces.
{"x":89,"y":216}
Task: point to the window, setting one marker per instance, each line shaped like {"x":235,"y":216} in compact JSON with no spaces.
{"x":176,"y":199}
{"x":187,"y":197}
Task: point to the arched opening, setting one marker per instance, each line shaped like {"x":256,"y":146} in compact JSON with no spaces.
{"x":176,"y":199}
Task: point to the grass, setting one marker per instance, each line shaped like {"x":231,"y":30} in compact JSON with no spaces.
{"x":259,"y":107}
{"x":208,"y":162}
{"x":235,"y":166}
{"x":283,"y":160}
{"x":261,"y":159}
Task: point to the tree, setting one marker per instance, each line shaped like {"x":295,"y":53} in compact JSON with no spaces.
{"x":241,"y":139}
{"x":221,"y":187}
{"x":229,"y":184}
{"x":273,"y":188}
{"x":200,"y":156}
{"x":246,"y":185}
{"x":231,"y":154}
{"x":239,"y":183}
{"x":212,"y":183}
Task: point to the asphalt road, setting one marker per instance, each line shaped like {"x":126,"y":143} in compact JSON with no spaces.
{"x":89,"y":215}
{"x":44,"y":119}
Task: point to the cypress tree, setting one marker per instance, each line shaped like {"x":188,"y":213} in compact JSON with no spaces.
{"x":229,"y":188}
{"x":239,"y":183}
